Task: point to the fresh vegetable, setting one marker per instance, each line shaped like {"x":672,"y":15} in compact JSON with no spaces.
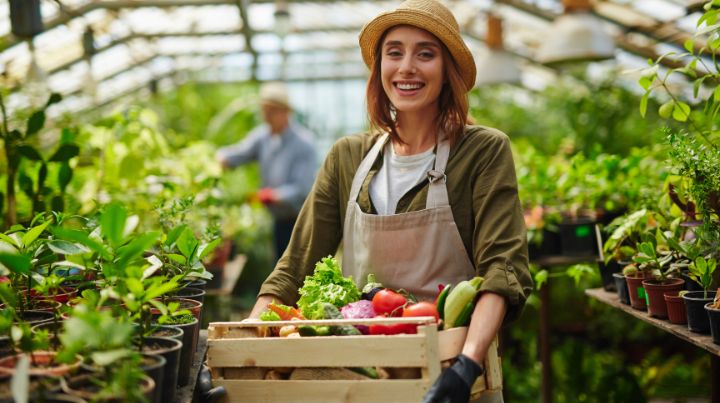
{"x":326,"y":285}
{"x":269,"y":316}
{"x":464,"y":317}
{"x":310,"y":331}
{"x":388,"y":302}
{"x":440,"y":301}
{"x":331,"y":312}
{"x":378,"y":329}
{"x":458,"y":299}
{"x":359,"y":310}
{"x":370,"y":372}
{"x":286,"y":330}
{"x":371,"y":288}
{"x":285,"y":312}
{"x":422,"y":308}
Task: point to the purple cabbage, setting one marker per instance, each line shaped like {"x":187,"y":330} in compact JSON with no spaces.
{"x":361,"y":309}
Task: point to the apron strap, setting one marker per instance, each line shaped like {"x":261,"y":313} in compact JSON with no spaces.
{"x":437,"y":190}
{"x":365,"y":166}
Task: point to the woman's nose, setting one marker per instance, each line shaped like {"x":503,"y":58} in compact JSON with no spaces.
{"x":407,"y":65}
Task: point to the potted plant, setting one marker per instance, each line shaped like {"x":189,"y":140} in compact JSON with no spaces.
{"x":675,"y":307}
{"x":659,"y":266}
{"x":174,"y":317}
{"x":634,"y":278}
{"x":701,"y":271}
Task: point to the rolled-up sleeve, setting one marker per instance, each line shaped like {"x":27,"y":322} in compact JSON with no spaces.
{"x":499,"y":238}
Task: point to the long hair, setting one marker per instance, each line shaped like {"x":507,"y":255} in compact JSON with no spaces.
{"x":452,"y":101}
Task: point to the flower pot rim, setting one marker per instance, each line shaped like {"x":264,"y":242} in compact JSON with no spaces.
{"x":711,"y":295}
{"x":147,"y":380}
{"x":708,"y":308}
{"x":668,"y":282}
{"x":672,"y":295}
{"x":49,"y":370}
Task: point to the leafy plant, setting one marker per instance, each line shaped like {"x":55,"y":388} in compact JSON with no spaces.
{"x":657,"y":264}
{"x":701,"y":271}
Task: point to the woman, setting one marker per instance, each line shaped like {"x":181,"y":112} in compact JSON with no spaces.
{"x":423,"y":200}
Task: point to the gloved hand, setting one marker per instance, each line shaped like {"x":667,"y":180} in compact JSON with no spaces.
{"x":454,"y":383}
{"x":267,"y":196}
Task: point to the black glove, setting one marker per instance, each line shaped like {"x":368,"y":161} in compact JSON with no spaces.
{"x":454,"y":383}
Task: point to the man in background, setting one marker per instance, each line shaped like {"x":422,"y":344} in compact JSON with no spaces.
{"x":287,"y":157}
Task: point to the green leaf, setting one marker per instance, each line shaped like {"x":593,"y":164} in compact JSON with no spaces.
{"x":105,"y":358}
{"x":645,"y":82}
{"x":35,"y":123}
{"x":65,"y":174}
{"x":161,"y":289}
{"x":644,"y":103}
{"x":689,"y":45}
{"x":208,"y":248}
{"x":681,"y":111}
{"x":135,"y":286}
{"x":666,"y":109}
{"x":26,"y":184}
{"x":81,"y":238}
{"x":33,"y":233}
{"x":53,"y":99}
{"x":16,"y":263}
{"x":30,"y":153}
{"x":135,"y":249}
{"x":9,"y":240}
{"x":176,"y":258}
{"x":112,"y":223}
{"x":42,"y":176}
{"x":67,"y":248}
{"x":540,"y":278}
{"x":65,"y":152}
{"x":187,"y":243}
{"x":174,"y":234}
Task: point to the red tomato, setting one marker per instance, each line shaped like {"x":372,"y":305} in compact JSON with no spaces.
{"x":423,"y":308}
{"x":391,"y":329}
{"x":388,"y":302}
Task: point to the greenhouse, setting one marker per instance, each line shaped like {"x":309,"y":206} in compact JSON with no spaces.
{"x":360,"y":201}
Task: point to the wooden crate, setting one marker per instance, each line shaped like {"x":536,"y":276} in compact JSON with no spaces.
{"x":239,"y":360}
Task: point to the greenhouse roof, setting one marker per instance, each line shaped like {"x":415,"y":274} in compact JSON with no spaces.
{"x":142,"y":44}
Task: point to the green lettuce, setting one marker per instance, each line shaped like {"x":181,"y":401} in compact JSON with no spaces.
{"x":327,"y":284}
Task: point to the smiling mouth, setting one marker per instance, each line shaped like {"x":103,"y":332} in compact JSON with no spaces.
{"x":408,"y":86}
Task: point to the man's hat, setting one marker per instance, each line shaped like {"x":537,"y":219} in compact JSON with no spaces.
{"x":275,"y":94}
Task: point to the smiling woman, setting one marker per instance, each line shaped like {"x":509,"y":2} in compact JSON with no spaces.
{"x":424,"y":198}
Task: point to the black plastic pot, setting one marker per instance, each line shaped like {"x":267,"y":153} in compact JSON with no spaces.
{"x":189,"y":341}
{"x":36,"y":317}
{"x":621,"y":288}
{"x":714,"y":317}
{"x":697,"y":317}
{"x":170,"y":350}
{"x":171,"y":332}
{"x":577,"y":237}
{"x":154,"y":367}
{"x":198,"y":283}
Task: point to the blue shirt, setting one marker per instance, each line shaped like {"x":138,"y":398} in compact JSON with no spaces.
{"x":288,"y":164}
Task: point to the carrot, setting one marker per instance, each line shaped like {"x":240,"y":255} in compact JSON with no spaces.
{"x":285,"y":312}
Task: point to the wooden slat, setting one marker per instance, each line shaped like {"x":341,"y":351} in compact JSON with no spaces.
{"x":431,"y":370}
{"x":493,"y":367}
{"x":451,"y":342}
{"x":396,"y":391}
{"x":331,"y":351}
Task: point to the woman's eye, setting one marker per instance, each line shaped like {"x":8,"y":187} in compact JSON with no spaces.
{"x":393,"y":53}
{"x":427,"y":55}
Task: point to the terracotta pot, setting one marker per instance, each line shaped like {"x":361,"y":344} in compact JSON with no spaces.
{"x":655,"y":290}
{"x":675,"y":308}
{"x":42,"y":364}
{"x":63,"y":295}
{"x":636,"y":292}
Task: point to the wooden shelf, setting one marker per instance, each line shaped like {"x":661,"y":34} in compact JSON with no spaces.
{"x":703,"y":341}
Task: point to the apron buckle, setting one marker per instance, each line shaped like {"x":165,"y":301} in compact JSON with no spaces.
{"x":435,"y":175}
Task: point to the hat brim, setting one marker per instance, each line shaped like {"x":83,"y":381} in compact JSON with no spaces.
{"x":373,"y":31}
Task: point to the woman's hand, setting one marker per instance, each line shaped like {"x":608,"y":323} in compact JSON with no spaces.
{"x":455,"y":382}
{"x":261,"y":305}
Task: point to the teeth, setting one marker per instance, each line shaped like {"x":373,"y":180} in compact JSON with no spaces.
{"x":409,"y":86}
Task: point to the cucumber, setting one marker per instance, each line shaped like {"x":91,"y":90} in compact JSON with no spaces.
{"x":464,"y":318}
{"x":442,"y":297}
{"x":311,"y":331}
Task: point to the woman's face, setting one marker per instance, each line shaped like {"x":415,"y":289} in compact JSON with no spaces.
{"x":411,"y":69}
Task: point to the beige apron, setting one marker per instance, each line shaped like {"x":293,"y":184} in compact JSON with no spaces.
{"x":414,"y":251}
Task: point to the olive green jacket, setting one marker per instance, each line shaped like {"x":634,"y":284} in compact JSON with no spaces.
{"x":482,"y":190}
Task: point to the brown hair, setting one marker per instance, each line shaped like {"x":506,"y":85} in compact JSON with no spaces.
{"x":452,"y":101}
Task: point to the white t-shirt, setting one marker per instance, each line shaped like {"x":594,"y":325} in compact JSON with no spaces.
{"x":398,"y":174}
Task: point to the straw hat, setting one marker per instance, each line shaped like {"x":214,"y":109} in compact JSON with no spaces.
{"x":429,"y":15}
{"x":275,"y":94}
